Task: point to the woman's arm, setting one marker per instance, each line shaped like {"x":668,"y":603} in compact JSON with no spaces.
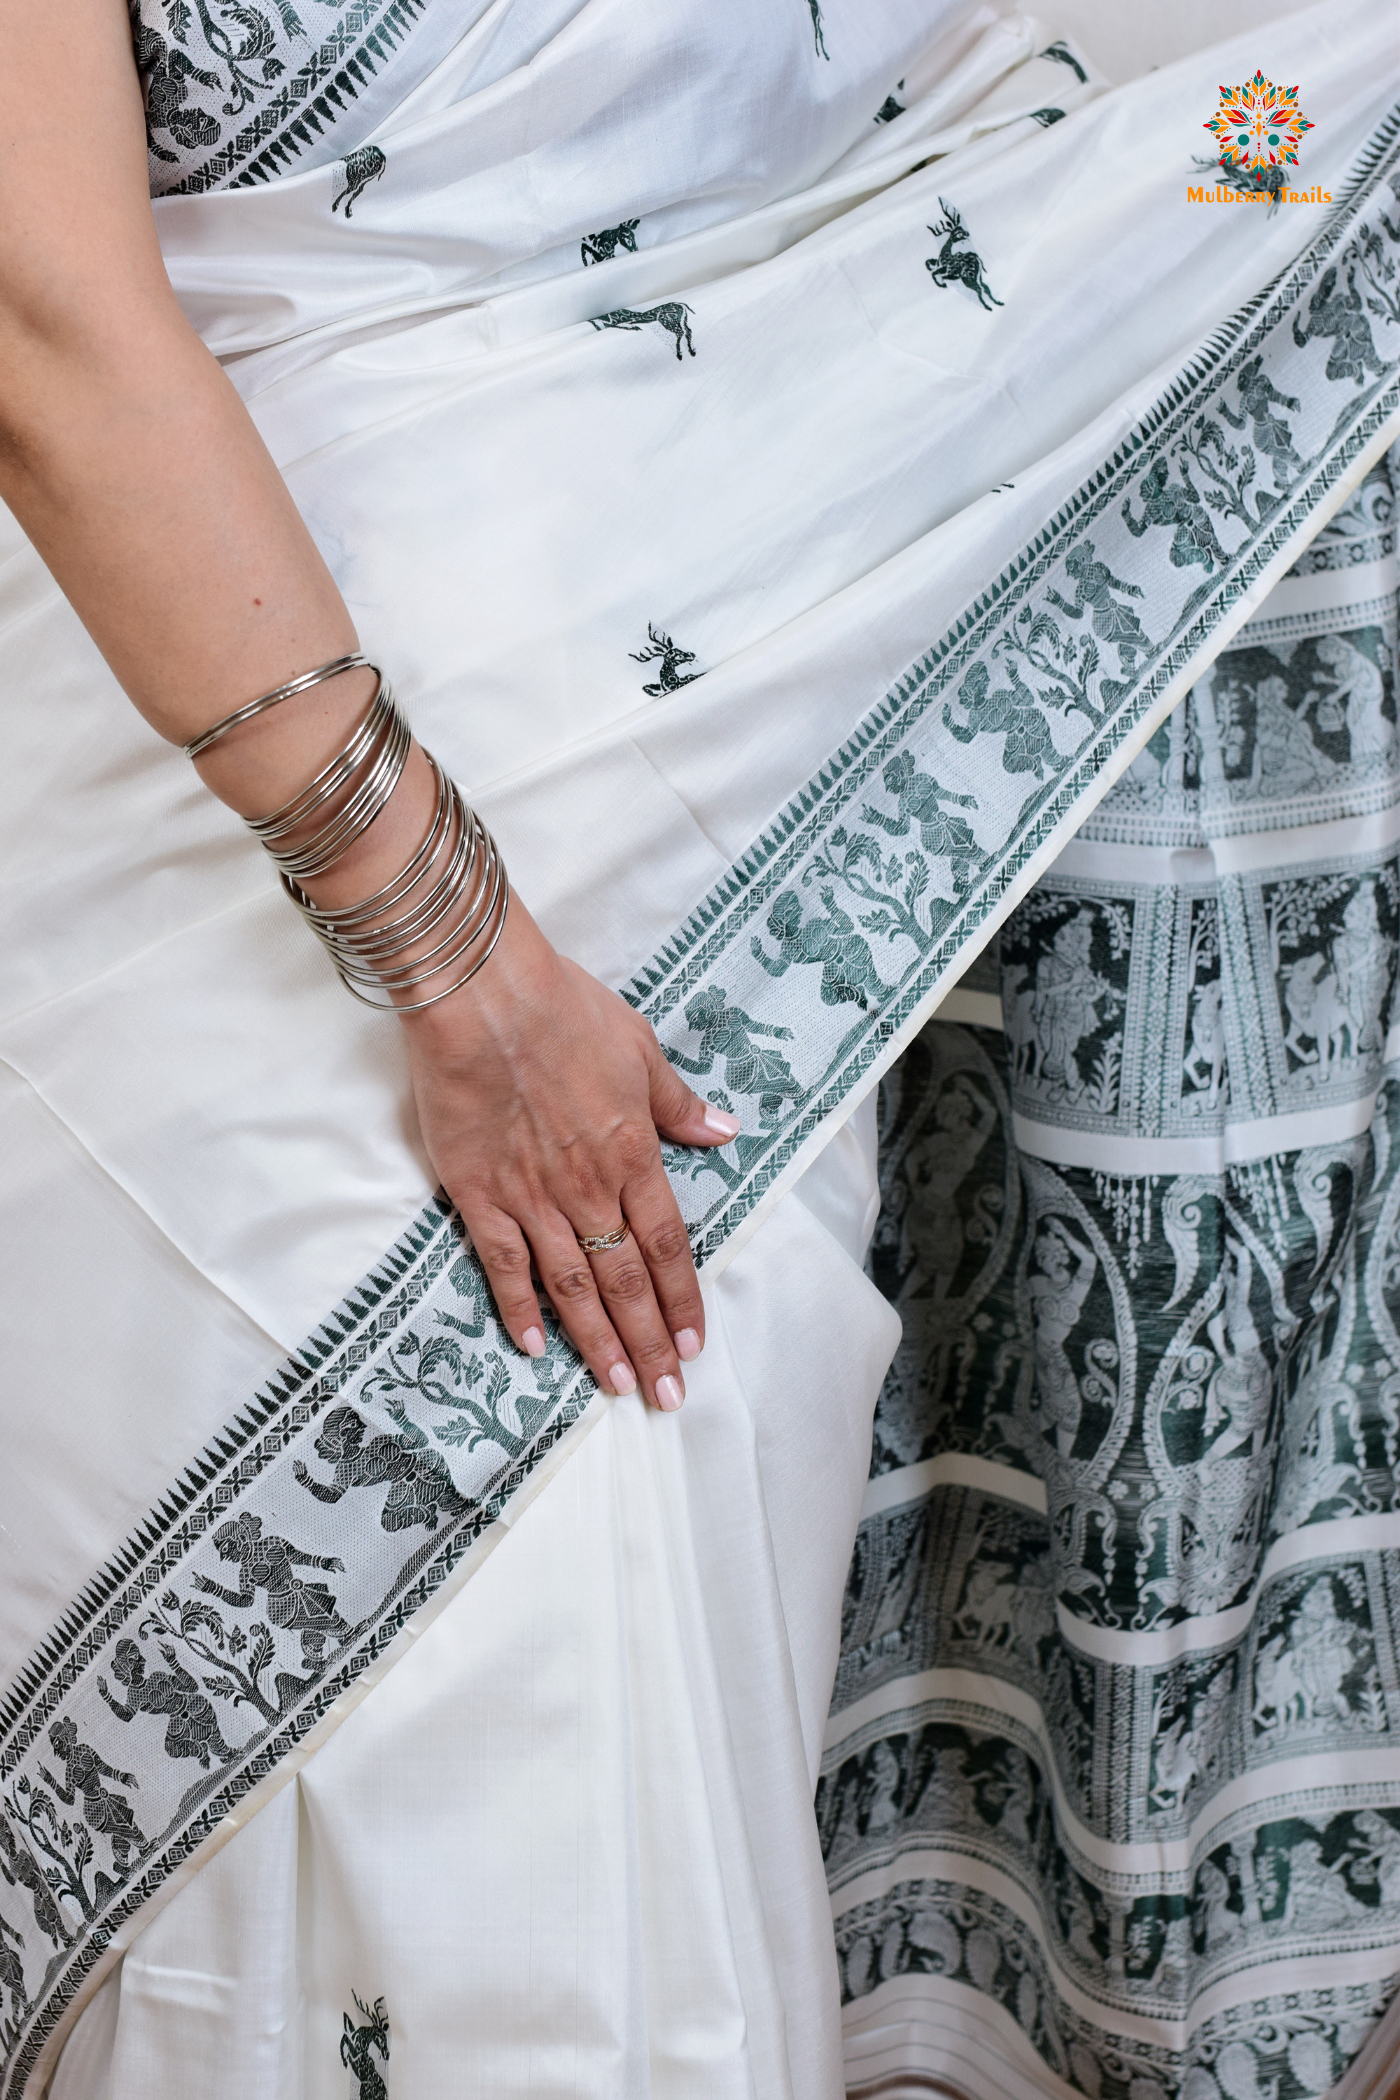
{"x":139,"y":477}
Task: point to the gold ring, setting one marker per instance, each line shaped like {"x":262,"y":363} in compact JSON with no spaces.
{"x":603,"y":1242}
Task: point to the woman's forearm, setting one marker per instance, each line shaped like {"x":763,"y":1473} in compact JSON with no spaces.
{"x":125,"y":454}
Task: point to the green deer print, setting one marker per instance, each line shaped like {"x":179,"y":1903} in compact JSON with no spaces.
{"x":673,"y":317}
{"x":362,"y":167}
{"x":815,"y":6}
{"x":1063,"y":56}
{"x":946,"y":268}
{"x":665,"y":652}
{"x":358,"y":2043}
{"x":602,"y":247}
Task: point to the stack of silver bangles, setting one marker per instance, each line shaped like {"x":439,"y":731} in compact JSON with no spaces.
{"x":455,"y":880}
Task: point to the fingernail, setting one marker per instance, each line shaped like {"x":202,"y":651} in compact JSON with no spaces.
{"x":724,"y":1126}
{"x":532,"y":1342}
{"x":622,"y":1378}
{"x":687,"y":1345}
{"x":669,"y":1394}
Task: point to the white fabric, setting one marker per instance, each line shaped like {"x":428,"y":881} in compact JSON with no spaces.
{"x":570,"y":1836}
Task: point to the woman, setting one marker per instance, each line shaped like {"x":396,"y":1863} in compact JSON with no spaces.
{"x":568,"y":1844}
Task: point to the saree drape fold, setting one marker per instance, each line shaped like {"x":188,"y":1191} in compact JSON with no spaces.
{"x":787,"y":592}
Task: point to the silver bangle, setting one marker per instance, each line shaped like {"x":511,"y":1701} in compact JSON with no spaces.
{"x":379,"y":747}
{"x":334,"y":669}
{"x":453,"y":883}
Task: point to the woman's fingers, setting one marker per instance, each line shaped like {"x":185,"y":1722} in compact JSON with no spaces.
{"x":664,"y":1245}
{"x":679,"y":1113}
{"x":501,"y":1249}
{"x":567,"y":1274}
{"x":625,"y":1287}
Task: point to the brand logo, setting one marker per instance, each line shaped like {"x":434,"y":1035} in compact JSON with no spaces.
{"x":1258,"y":128}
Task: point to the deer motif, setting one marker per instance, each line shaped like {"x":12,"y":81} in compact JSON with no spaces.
{"x":946,"y":268}
{"x":665,"y":652}
{"x":357,"y":2042}
{"x":674,"y":317}
{"x":602,"y":247}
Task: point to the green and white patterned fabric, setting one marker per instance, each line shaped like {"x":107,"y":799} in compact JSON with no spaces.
{"x":1111,"y":1789}
{"x":787,"y":597}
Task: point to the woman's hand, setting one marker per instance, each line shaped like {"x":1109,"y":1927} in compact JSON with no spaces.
{"x":541,"y":1095}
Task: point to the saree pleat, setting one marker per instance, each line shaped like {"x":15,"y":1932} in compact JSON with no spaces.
{"x":720,"y":573}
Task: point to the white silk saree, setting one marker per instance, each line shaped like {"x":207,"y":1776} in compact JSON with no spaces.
{"x":767,"y":451}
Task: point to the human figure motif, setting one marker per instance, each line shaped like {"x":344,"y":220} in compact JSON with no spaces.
{"x":1068,"y":992}
{"x":1361,"y":962}
{"x":1354,"y":701}
{"x":1213,"y":1896}
{"x":938,"y":1788}
{"x":1280,"y":1700}
{"x":879,"y":1783}
{"x":1081,"y":1923}
{"x":847,"y":965}
{"x":1178,"y":506}
{"x":420,"y":1486}
{"x":1057,"y":1295}
{"x":986,"y":1613}
{"x":294,"y":1605}
{"x":1318,"y":1898}
{"x":920,"y":801}
{"x":1287,"y":758}
{"x":20,"y":1869}
{"x":1014,"y":709}
{"x":1320,"y":1643}
{"x":1259,"y":397}
{"x":931,"y":1228}
{"x":1204,"y":1063}
{"x":1014,"y":1793}
{"x":84,"y":1771}
{"x":1240,"y":1393}
{"x":12,"y":1970}
{"x":1341,"y":316}
{"x":902,"y":1576}
{"x":193,"y":1725}
{"x":726,"y":1032}
{"x":1381,"y":1862}
{"x":1094,"y":585}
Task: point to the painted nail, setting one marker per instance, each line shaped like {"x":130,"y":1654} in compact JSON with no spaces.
{"x":532,"y":1342}
{"x":723,"y":1126}
{"x":622,"y":1378}
{"x":669,"y":1394}
{"x":688,"y":1345}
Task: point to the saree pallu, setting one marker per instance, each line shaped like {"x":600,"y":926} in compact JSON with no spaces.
{"x":786,"y":592}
